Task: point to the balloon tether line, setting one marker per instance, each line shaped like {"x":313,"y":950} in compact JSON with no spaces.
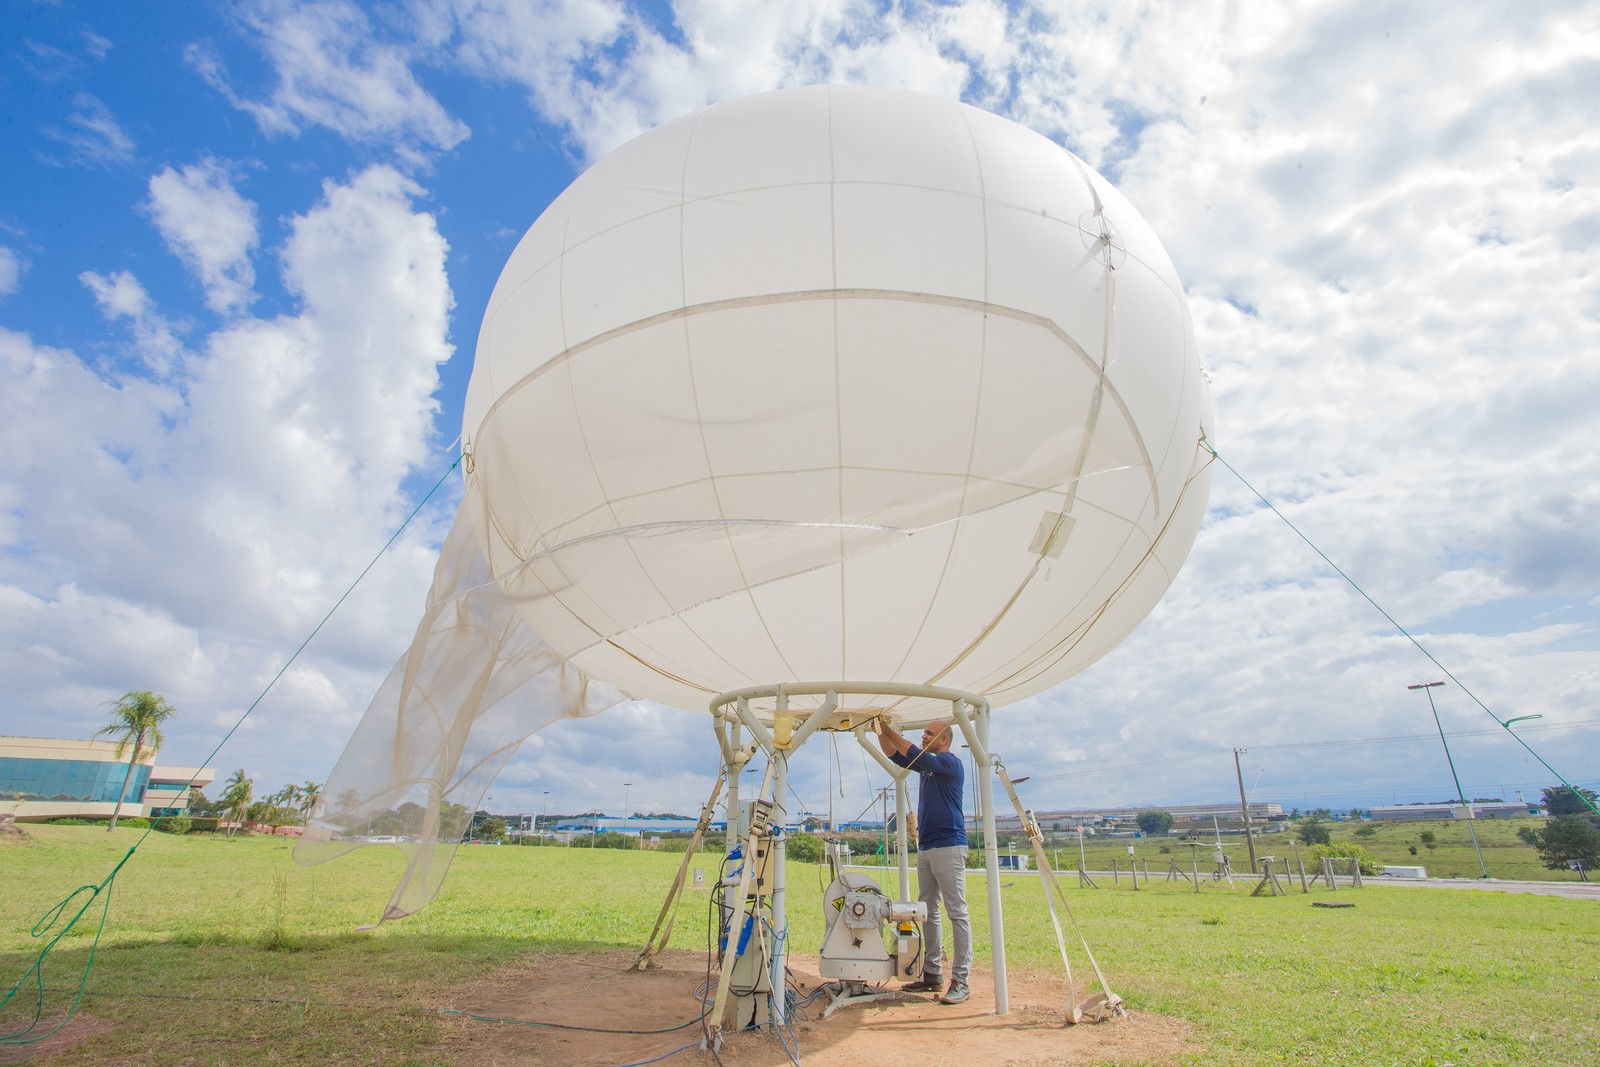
{"x":1502,"y":723}
{"x":46,"y":923}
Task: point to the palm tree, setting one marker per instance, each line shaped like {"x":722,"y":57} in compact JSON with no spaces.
{"x":137,"y":718}
{"x":237,"y":793}
{"x":284,"y":800}
{"x":310,"y":793}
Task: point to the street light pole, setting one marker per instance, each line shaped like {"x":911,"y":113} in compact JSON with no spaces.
{"x":1428,"y":687}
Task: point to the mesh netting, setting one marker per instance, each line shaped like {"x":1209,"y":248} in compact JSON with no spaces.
{"x":475,"y":683}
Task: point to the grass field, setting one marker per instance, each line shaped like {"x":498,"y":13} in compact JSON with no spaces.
{"x":228,"y":952}
{"x":1452,"y":854}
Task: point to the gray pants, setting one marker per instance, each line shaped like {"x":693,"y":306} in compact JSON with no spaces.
{"x":941,"y":872}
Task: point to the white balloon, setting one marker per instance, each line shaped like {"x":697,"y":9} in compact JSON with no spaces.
{"x":837,"y":383}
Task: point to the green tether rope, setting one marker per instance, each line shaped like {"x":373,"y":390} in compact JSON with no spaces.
{"x":35,"y":971}
{"x":1393,"y":622}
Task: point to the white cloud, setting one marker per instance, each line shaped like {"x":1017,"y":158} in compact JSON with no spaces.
{"x":92,"y":134}
{"x":208,"y":225}
{"x":605,"y":72}
{"x":11,"y":268}
{"x":120,"y":296}
{"x":332,"y":70}
{"x":1386,"y":218}
{"x":97,"y":46}
{"x":183,"y":528}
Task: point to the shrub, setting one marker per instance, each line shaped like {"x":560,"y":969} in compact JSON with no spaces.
{"x":804,"y":848}
{"x":1366,"y":831}
{"x":173,"y":824}
{"x":135,"y":822}
{"x":611,"y":839}
{"x":1349,"y":850}
{"x":1313,"y":831}
{"x":202,"y":824}
{"x":712,"y":842}
{"x":73,"y":820}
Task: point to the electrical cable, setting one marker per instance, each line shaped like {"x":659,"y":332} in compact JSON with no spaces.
{"x":664,"y":1055}
{"x":714,"y":904}
{"x":559,"y":1026}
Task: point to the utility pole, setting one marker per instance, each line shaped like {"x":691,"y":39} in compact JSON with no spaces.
{"x":1244,"y":807}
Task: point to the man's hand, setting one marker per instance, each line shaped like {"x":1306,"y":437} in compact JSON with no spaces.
{"x":889,"y":738}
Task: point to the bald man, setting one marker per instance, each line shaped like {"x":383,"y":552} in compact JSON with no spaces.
{"x":941,"y":852}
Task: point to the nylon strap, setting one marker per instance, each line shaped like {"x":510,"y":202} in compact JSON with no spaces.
{"x":669,"y":912}
{"x":1047,"y":879}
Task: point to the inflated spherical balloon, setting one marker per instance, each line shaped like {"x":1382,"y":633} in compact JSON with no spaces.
{"x":837,"y":383}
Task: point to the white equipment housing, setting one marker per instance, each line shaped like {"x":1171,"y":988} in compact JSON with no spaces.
{"x":854,"y":948}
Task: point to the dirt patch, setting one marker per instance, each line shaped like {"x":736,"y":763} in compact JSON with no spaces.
{"x":82,"y":1028}
{"x":598,"y":990}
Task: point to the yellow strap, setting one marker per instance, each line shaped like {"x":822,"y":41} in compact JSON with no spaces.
{"x":1047,"y":879}
{"x":669,"y":913}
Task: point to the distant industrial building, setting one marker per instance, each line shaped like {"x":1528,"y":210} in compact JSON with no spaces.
{"x":1186,"y":818}
{"x":589,"y":824}
{"x":1419,"y":812}
{"x":45,"y":778}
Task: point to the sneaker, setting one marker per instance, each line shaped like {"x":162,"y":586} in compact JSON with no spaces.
{"x":925,"y":984}
{"x":956,"y":994}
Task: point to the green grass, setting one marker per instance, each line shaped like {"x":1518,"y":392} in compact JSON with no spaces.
{"x":1506,"y":856}
{"x":1408,"y":976}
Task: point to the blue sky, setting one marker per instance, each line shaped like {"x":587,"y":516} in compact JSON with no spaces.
{"x":244,"y":250}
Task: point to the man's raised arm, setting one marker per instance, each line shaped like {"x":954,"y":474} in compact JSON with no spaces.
{"x":891,"y":740}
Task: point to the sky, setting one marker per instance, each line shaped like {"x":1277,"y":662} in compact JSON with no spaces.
{"x":245,"y":250}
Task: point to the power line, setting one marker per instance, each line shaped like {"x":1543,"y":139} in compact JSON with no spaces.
{"x":1329,"y":743}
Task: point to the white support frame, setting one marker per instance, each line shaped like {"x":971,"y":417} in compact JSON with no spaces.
{"x":779,"y":736}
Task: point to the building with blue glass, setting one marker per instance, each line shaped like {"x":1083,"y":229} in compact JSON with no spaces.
{"x":47,"y":778}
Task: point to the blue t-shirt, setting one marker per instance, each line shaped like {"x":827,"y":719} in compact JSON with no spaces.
{"x":940,"y":823}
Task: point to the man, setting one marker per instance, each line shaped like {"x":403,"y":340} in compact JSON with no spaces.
{"x":941,"y":852}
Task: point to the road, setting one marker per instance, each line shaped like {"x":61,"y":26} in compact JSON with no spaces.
{"x":1570,"y":890}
